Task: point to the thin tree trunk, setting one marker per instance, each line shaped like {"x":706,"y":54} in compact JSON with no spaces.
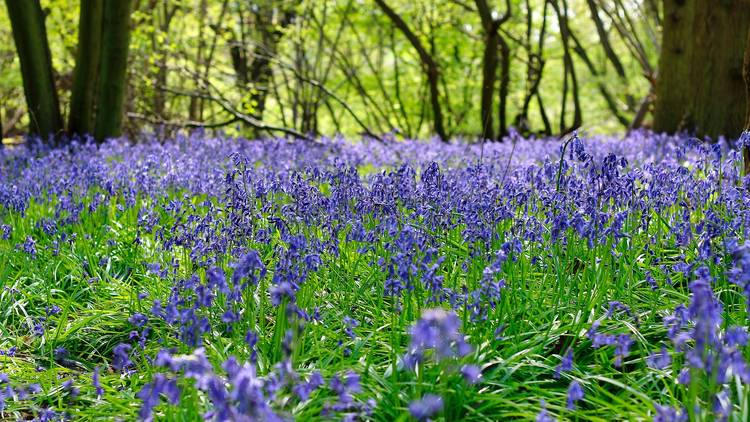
{"x":493,"y":43}
{"x":502,"y":128}
{"x":397,"y":84}
{"x":114,"y":61}
{"x":85,"y":75}
{"x":746,"y":75}
{"x":30,"y":36}
{"x":608,"y":98}
{"x":489,"y":75}
{"x":194,"y":109}
{"x":162,"y":23}
{"x":543,"y":113}
{"x":429,"y":65}
{"x":569,"y":67}
{"x":604,"y":39}
{"x":535,"y":66}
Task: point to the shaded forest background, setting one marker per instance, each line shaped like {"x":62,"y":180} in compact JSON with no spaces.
{"x":453,"y":68}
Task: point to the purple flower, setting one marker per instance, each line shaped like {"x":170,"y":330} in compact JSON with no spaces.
{"x":736,"y":337}
{"x":669,"y":414}
{"x":71,"y":388}
{"x":651,"y":282}
{"x":138,"y":319}
{"x":575,"y":393}
{"x":305,"y":388}
{"x":659,"y":360}
{"x":251,"y":339}
{"x":543,"y":415}
{"x":247,"y":266}
{"x":96,"y":383}
{"x":151,"y":394}
{"x":426,"y":407}
{"x":281,"y":291}
{"x":121,"y":359}
{"x":52,"y":310}
{"x":565,"y":365}
{"x":471,"y":373}
{"x":437,"y":330}
{"x":6,"y":231}
{"x":615,"y":306}
{"x":622,"y":348}
{"x":349,"y":325}
{"x":60,"y":353}
{"x":29,"y":246}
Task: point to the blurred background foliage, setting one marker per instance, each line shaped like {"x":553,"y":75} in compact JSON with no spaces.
{"x":343,"y":66}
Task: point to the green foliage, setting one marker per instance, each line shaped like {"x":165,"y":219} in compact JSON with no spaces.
{"x":352,"y":49}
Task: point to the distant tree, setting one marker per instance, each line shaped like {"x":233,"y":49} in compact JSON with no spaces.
{"x":493,"y":43}
{"x":111,"y":83}
{"x":99,"y":83}
{"x":30,"y":36}
{"x":700,"y":86}
{"x":429,"y":65}
{"x":85,"y":74}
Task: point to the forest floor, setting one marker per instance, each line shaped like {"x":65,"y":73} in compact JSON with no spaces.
{"x":240,"y":280}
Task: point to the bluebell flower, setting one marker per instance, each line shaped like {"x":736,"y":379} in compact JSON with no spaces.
{"x":661,"y":359}
{"x":575,"y":393}
{"x":247,"y":266}
{"x":565,"y":365}
{"x":121,"y":359}
{"x":72,"y":390}
{"x":96,"y":383}
{"x":29,"y":246}
{"x":438,"y":331}
{"x":150,"y":395}
{"x":471,"y":373}
{"x":60,"y":353}
{"x":251,"y":339}
{"x":138,"y":319}
{"x":349,"y":325}
{"x":543,"y":415}
{"x":669,"y":414}
{"x":280,"y":292}
{"x":622,"y":348}
{"x":305,"y":388}
{"x":426,"y":407}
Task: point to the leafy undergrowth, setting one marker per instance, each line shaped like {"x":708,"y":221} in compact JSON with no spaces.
{"x":236,"y":280}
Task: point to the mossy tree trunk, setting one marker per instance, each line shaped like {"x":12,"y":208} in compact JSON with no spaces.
{"x":111,"y":86}
{"x":700,"y":87}
{"x":30,"y":36}
{"x":85,"y":75}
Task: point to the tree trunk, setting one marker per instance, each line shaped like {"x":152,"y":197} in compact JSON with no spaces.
{"x":30,"y":36}
{"x":700,"y":87}
{"x":430,"y":66}
{"x":112,"y":83}
{"x":674,"y":62}
{"x":502,"y":112}
{"x":493,"y":42}
{"x":489,"y":75}
{"x":604,"y":39}
{"x":716,"y":71}
{"x":746,"y":73}
{"x":568,"y":71}
{"x":83,"y":93}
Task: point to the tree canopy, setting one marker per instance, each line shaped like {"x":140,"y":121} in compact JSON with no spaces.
{"x":304,"y":68}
